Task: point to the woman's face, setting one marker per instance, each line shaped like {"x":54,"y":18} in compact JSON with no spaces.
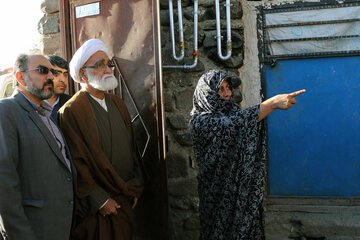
{"x":225,"y":90}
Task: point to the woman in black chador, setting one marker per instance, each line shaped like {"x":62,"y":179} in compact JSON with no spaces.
{"x":229,"y":146}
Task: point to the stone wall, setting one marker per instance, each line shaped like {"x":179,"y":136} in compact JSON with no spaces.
{"x":49,"y":27}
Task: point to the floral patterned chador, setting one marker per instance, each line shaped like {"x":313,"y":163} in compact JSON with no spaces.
{"x":229,"y":146}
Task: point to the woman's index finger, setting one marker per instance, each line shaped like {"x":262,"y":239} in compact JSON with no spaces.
{"x":297,"y":93}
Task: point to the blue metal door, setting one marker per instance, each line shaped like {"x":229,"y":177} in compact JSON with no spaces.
{"x":314,"y":148}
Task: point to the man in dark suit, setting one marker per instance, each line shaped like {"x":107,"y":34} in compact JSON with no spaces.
{"x":61,"y":74}
{"x":36,"y":172}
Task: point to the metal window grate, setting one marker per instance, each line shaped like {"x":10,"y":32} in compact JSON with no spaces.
{"x":302,"y":30}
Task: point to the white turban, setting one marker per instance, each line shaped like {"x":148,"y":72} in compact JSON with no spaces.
{"x":83,"y":54}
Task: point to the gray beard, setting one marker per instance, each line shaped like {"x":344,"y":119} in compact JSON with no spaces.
{"x":38,"y":92}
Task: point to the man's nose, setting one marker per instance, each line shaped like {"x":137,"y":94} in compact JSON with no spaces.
{"x":108,"y":69}
{"x":50,"y":75}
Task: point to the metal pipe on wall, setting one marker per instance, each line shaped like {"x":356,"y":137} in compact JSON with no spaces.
{"x":228,"y":30}
{"x":181,"y":32}
{"x":195,"y":53}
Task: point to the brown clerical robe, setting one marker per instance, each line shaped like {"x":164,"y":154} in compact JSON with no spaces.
{"x":102,"y":173}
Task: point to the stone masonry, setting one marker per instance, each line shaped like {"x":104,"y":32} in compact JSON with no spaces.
{"x":49,"y":27}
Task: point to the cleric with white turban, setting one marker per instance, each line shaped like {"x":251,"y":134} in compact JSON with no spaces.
{"x":83,"y":54}
{"x":98,"y":128}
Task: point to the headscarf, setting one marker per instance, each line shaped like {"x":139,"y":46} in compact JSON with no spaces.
{"x":83,"y":54}
{"x":229,"y":147}
{"x":206,"y":98}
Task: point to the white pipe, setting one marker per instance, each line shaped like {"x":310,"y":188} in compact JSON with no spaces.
{"x":195,"y":53}
{"x":228,"y":30}
{"x":181,"y":34}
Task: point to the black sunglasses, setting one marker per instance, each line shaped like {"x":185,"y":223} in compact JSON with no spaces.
{"x":42,"y":70}
{"x":57,"y":72}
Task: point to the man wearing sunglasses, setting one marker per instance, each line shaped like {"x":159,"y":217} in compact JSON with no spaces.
{"x":36,"y":173}
{"x":60,"y":80}
{"x":99,"y":131}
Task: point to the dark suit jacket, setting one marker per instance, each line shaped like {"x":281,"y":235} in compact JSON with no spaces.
{"x":62,"y":100}
{"x":36,"y":186}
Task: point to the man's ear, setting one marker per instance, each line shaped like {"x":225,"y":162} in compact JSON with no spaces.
{"x":20,"y":78}
{"x":83,"y":75}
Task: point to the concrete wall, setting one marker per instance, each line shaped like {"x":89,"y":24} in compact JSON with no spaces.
{"x":298,"y":219}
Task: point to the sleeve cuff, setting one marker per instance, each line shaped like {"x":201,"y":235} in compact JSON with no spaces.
{"x":103,"y":204}
{"x":98,"y":198}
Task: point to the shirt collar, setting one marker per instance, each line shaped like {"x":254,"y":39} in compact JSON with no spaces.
{"x":102,"y":102}
{"x":56,"y":102}
{"x":34,"y":105}
{"x":44,"y":109}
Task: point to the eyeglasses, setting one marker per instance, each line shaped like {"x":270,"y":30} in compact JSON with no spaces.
{"x":57,"y":72}
{"x":102,"y":66}
{"x":42,"y":70}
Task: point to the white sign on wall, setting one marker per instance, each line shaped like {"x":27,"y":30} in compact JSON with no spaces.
{"x":87,"y":10}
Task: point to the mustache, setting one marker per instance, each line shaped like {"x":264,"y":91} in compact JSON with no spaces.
{"x":49,"y":82}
